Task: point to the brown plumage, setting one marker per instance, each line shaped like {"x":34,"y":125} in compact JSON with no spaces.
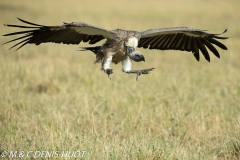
{"x":120,"y":45}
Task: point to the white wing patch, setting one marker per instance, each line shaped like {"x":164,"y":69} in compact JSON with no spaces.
{"x":132,"y":42}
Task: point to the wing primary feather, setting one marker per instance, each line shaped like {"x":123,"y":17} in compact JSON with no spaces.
{"x":18,"y":26}
{"x":224,"y":31}
{"x":219,"y":44}
{"x":203,"y":49}
{"x":210,"y":47}
{"x":22,"y":45}
{"x":220,"y":33}
{"x":196,"y":50}
{"x":21,"y":32}
{"x":29,"y":22}
{"x":16,"y":39}
{"x":19,"y":43}
{"x":217,"y":37}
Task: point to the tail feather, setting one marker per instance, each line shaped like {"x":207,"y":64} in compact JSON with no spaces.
{"x":97,"y":50}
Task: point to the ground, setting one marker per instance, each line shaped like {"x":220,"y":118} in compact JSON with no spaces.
{"x":53,"y":98}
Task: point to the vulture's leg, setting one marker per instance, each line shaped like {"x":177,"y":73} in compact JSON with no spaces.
{"x":106,"y":65}
{"x":139,"y":72}
{"x":127,"y":65}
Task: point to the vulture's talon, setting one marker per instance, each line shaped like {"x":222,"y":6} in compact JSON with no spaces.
{"x":139,"y":72}
{"x":108,"y":72}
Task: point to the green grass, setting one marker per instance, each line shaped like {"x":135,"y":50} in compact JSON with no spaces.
{"x":53,"y":98}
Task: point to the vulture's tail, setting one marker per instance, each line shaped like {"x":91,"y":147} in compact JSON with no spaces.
{"x":97,"y":50}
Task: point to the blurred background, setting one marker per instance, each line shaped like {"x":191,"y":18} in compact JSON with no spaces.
{"x":53,"y":97}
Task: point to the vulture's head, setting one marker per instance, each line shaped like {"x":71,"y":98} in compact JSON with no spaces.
{"x":137,"y":56}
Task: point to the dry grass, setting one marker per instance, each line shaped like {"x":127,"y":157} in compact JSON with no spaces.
{"x":54,"y":98}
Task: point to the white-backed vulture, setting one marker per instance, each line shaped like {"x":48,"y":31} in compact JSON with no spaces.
{"x":120,"y":45}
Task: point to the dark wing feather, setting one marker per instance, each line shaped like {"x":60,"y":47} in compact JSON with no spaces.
{"x":68,"y":33}
{"x":184,"y":39}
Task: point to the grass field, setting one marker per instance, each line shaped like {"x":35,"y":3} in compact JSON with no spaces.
{"x":53,"y":98}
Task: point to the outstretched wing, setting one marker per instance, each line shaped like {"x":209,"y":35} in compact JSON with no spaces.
{"x":182,"y":38}
{"x":68,"y":33}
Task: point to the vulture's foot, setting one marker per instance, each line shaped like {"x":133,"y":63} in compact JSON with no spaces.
{"x":139,"y":72}
{"x":108,"y":72}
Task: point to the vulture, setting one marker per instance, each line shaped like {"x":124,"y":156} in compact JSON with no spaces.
{"x":120,"y":45}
